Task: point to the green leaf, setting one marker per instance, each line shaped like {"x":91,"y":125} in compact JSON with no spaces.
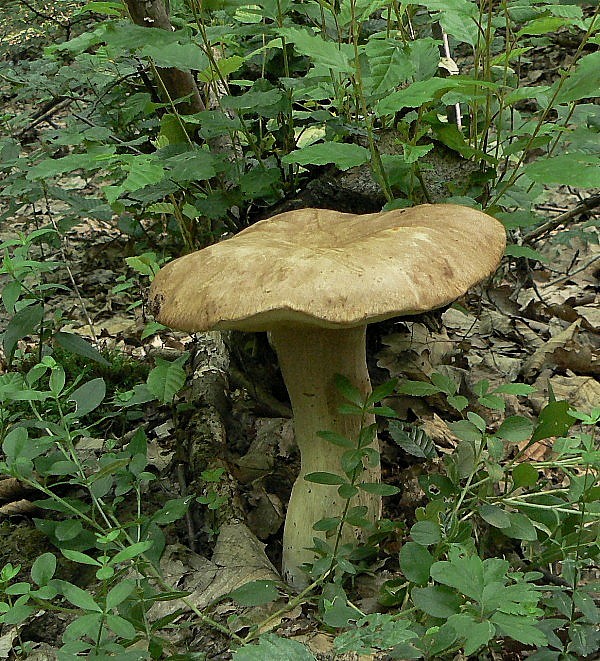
{"x":179,"y":56}
{"x":554,"y":420}
{"x":329,"y":523}
{"x":122,"y":628}
{"x":117,"y":594}
{"x":415,"y":562}
{"x":379,"y":489}
{"x":172,"y":510}
{"x":324,"y":478}
{"x":82,"y":558}
{"x":465,"y":430}
{"x":464,"y":574}
{"x":274,"y":648}
{"x":389,"y":64}
{"x":426,"y":533}
{"x":494,"y":515}
{"x":43,"y":569}
{"x":88,"y":397}
{"x":336,"y":439}
{"x":417,"y":389}
{"x":513,"y":250}
{"x":520,"y":527}
{"x":436,"y":600}
{"x":131,"y":552}
{"x":475,"y":633}
{"x":583,"y":82}
{"x":576,"y":169}
{"x":342,"y":155}
{"x":51,"y":167}
{"x":82,"y":627}
{"x":78,"y":345}
{"x":525,"y":475}
{"x":330,"y":54}
{"x":515,"y":389}
{"x":255,"y":593}
{"x":167,"y":378}
{"x":515,"y":429}
{"x":348,"y":390}
{"x":444,"y":383}
{"x":79,"y":597}
{"x":518,"y":628}
{"x":25,"y":322}
{"x":198,"y":165}
{"x":382,"y":391}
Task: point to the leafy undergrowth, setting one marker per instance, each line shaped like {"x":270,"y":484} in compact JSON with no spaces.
{"x":490,"y":540}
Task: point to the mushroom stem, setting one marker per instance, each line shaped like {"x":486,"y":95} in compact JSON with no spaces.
{"x":309,"y":358}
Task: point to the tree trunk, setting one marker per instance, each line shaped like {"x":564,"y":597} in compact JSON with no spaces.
{"x":173,"y":83}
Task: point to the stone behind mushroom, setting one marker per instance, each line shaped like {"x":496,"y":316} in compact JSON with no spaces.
{"x":315,"y":278}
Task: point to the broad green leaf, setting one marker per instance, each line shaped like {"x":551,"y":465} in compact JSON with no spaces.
{"x":198,"y":165}
{"x":519,"y":628}
{"x":465,"y":430}
{"x":436,"y":600}
{"x":167,"y":378}
{"x":255,"y":593}
{"x":25,"y":322}
{"x":379,"y":489}
{"x":131,"y":552}
{"x":274,"y":648}
{"x":525,"y":475}
{"x":576,"y":169}
{"x":417,"y":388}
{"x":342,"y":155}
{"x":51,"y":167}
{"x":520,"y":527}
{"x":329,"y":523}
{"x":415,"y":562}
{"x":88,"y":397}
{"x":444,"y":383}
{"x":324,"y":478}
{"x":84,"y":626}
{"x":123,"y":628}
{"x":179,"y":56}
{"x":475,"y":634}
{"x":329,"y":54}
{"x":390,"y":65}
{"x":515,"y":389}
{"x":554,"y":420}
{"x":515,"y":429}
{"x":117,"y":594}
{"x":426,"y":533}
{"x":43,"y":569}
{"x":172,"y":510}
{"x":79,"y":597}
{"x":82,"y":558}
{"x":382,"y":391}
{"x":413,"y":96}
{"x":583,"y":82}
{"x":336,"y":439}
{"x":494,"y":515}
{"x":79,"y":346}
{"x":464,"y":574}
{"x":226,"y":66}
{"x":513,"y":250}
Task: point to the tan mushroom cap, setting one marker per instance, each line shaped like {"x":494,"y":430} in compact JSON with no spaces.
{"x":330,"y":269}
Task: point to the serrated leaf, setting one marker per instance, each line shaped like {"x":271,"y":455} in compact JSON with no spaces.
{"x":576,"y":169}
{"x":180,"y":56}
{"x":412,"y":440}
{"x":167,"y":378}
{"x":331,"y":54}
{"x":390,"y":65}
{"x":342,"y":155}
{"x":274,"y":648}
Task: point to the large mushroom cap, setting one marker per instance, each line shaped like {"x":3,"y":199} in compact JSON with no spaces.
{"x":331,"y":269}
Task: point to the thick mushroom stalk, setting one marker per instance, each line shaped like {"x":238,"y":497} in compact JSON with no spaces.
{"x":310,"y":357}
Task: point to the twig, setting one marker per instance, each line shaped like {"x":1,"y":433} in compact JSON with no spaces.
{"x":569,"y":275}
{"x":587,"y":205}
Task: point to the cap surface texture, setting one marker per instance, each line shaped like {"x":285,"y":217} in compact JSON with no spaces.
{"x":330,"y":269}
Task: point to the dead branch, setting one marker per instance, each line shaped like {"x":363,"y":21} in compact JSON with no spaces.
{"x":587,"y":205}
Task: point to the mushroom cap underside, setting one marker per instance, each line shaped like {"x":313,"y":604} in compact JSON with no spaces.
{"x":330,"y":269}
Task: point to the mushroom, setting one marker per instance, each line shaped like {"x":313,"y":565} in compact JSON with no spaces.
{"x":314,"y":279}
